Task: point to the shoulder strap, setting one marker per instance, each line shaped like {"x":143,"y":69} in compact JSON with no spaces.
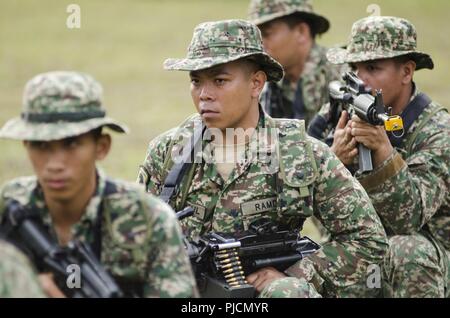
{"x":110,"y":188}
{"x":421,"y":126}
{"x":414,"y":109}
{"x":299,"y":103}
{"x":179,"y":169}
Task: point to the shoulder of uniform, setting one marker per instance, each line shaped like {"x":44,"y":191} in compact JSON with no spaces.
{"x":166,"y":138}
{"x":131,"y":214}
{"x":430,"y":130}
{"x":438,"y":122}
{"x":19,"y":189}
{"x":288,"y":123}
{"x":440,"y":117}
{"x":319,"y":148}
{"x":10,"y":253}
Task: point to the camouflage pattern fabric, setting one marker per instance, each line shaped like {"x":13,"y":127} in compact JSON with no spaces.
{"x":415,"y":183}
{"x":290,"y":287}
{"x":415,"y":267}
{"x":141,"y":240}
{"x":251,"y":193}
{"x":278,"y":98}
{"x":17,"y":278}
{"x":57,"y":105}
{"x":380,"y":37}
{"x":262,"y":11}
{"x":220,"y":42}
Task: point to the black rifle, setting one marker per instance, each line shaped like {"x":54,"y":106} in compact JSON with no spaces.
{"x":221,"y":261}
{"x":357,"y":99}
{"x":25,"y":229}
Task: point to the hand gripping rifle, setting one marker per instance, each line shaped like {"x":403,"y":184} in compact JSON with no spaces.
{"x":222,"y":261}
{"x":25,"y":228}
{"x":357,"y":99}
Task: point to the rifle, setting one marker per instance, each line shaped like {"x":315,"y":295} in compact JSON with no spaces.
{"x":221,"y":261}
{"x":357,"y":99}
{"x":25,"y":229}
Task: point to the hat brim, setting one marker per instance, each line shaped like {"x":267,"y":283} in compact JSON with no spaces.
{"x":341,"y":56}
{"x":19,"y":129}
{"x":270,"y":66}
{"x":320,"y":23}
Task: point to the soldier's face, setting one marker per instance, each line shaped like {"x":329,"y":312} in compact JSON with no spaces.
{"x":281,"y":42}
{"x":66,"y":168}
{"x":226,"y":96}
{"x":387,"y":75}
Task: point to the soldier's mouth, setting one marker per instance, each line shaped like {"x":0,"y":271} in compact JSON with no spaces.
{"x":56,"y":184}
{"x":207,"y":113}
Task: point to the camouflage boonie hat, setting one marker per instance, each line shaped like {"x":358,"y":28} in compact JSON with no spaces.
{"x":375,"y":38}
{"x":262,"y":11}
{"x":58,"y":105}
{"x":220,"y":42}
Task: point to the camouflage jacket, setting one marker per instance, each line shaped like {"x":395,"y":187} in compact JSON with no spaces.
{"x":141,"y":240}
{"x":312,"y":181}
{"x":278,"y":98}
{"x":17,"y":278}
{"x":411,"y":189}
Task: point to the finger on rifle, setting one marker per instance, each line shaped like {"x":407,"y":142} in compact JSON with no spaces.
{"x":342,"y":120}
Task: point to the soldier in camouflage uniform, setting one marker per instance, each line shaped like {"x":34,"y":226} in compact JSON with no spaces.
{"x":140,"y":240}
{"x":410,"y":183}
{"x":289,"y":29}
{"x":17,"y":278}
{"x":228,"y":69}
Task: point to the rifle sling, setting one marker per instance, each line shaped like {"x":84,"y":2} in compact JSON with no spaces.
{"x":110,"y":188}
{"x":178,"y":170}
{"x":414,"y":109}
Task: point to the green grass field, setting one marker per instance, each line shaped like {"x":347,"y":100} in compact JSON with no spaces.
{"x":124,"y":43}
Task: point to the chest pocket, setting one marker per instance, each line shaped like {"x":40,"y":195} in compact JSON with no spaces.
{"x":298,"y":172}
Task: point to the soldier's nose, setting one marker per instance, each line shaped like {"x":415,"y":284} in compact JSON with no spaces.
{"x":205,"y":93}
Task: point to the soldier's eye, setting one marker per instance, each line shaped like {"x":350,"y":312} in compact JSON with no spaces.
{"x":195,"y":81}
{"x":39,"y":145}
{"x":372,"y":68}
{"x":220,"y":81}
{"x":71,"y":142}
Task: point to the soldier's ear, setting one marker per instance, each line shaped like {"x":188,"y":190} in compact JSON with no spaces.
{"x":408,"y":69}
{"x":258,"y":80}
{"x":103,"y":146}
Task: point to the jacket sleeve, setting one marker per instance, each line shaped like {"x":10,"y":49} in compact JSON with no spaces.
{"x":407,"y":193}
{"x":152,"y":173}
{"x":169,"y":273}
{"x":358,"y":240}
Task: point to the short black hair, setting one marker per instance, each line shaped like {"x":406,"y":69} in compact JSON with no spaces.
{"x":97,"y":132}
{"x":252,"y":64}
